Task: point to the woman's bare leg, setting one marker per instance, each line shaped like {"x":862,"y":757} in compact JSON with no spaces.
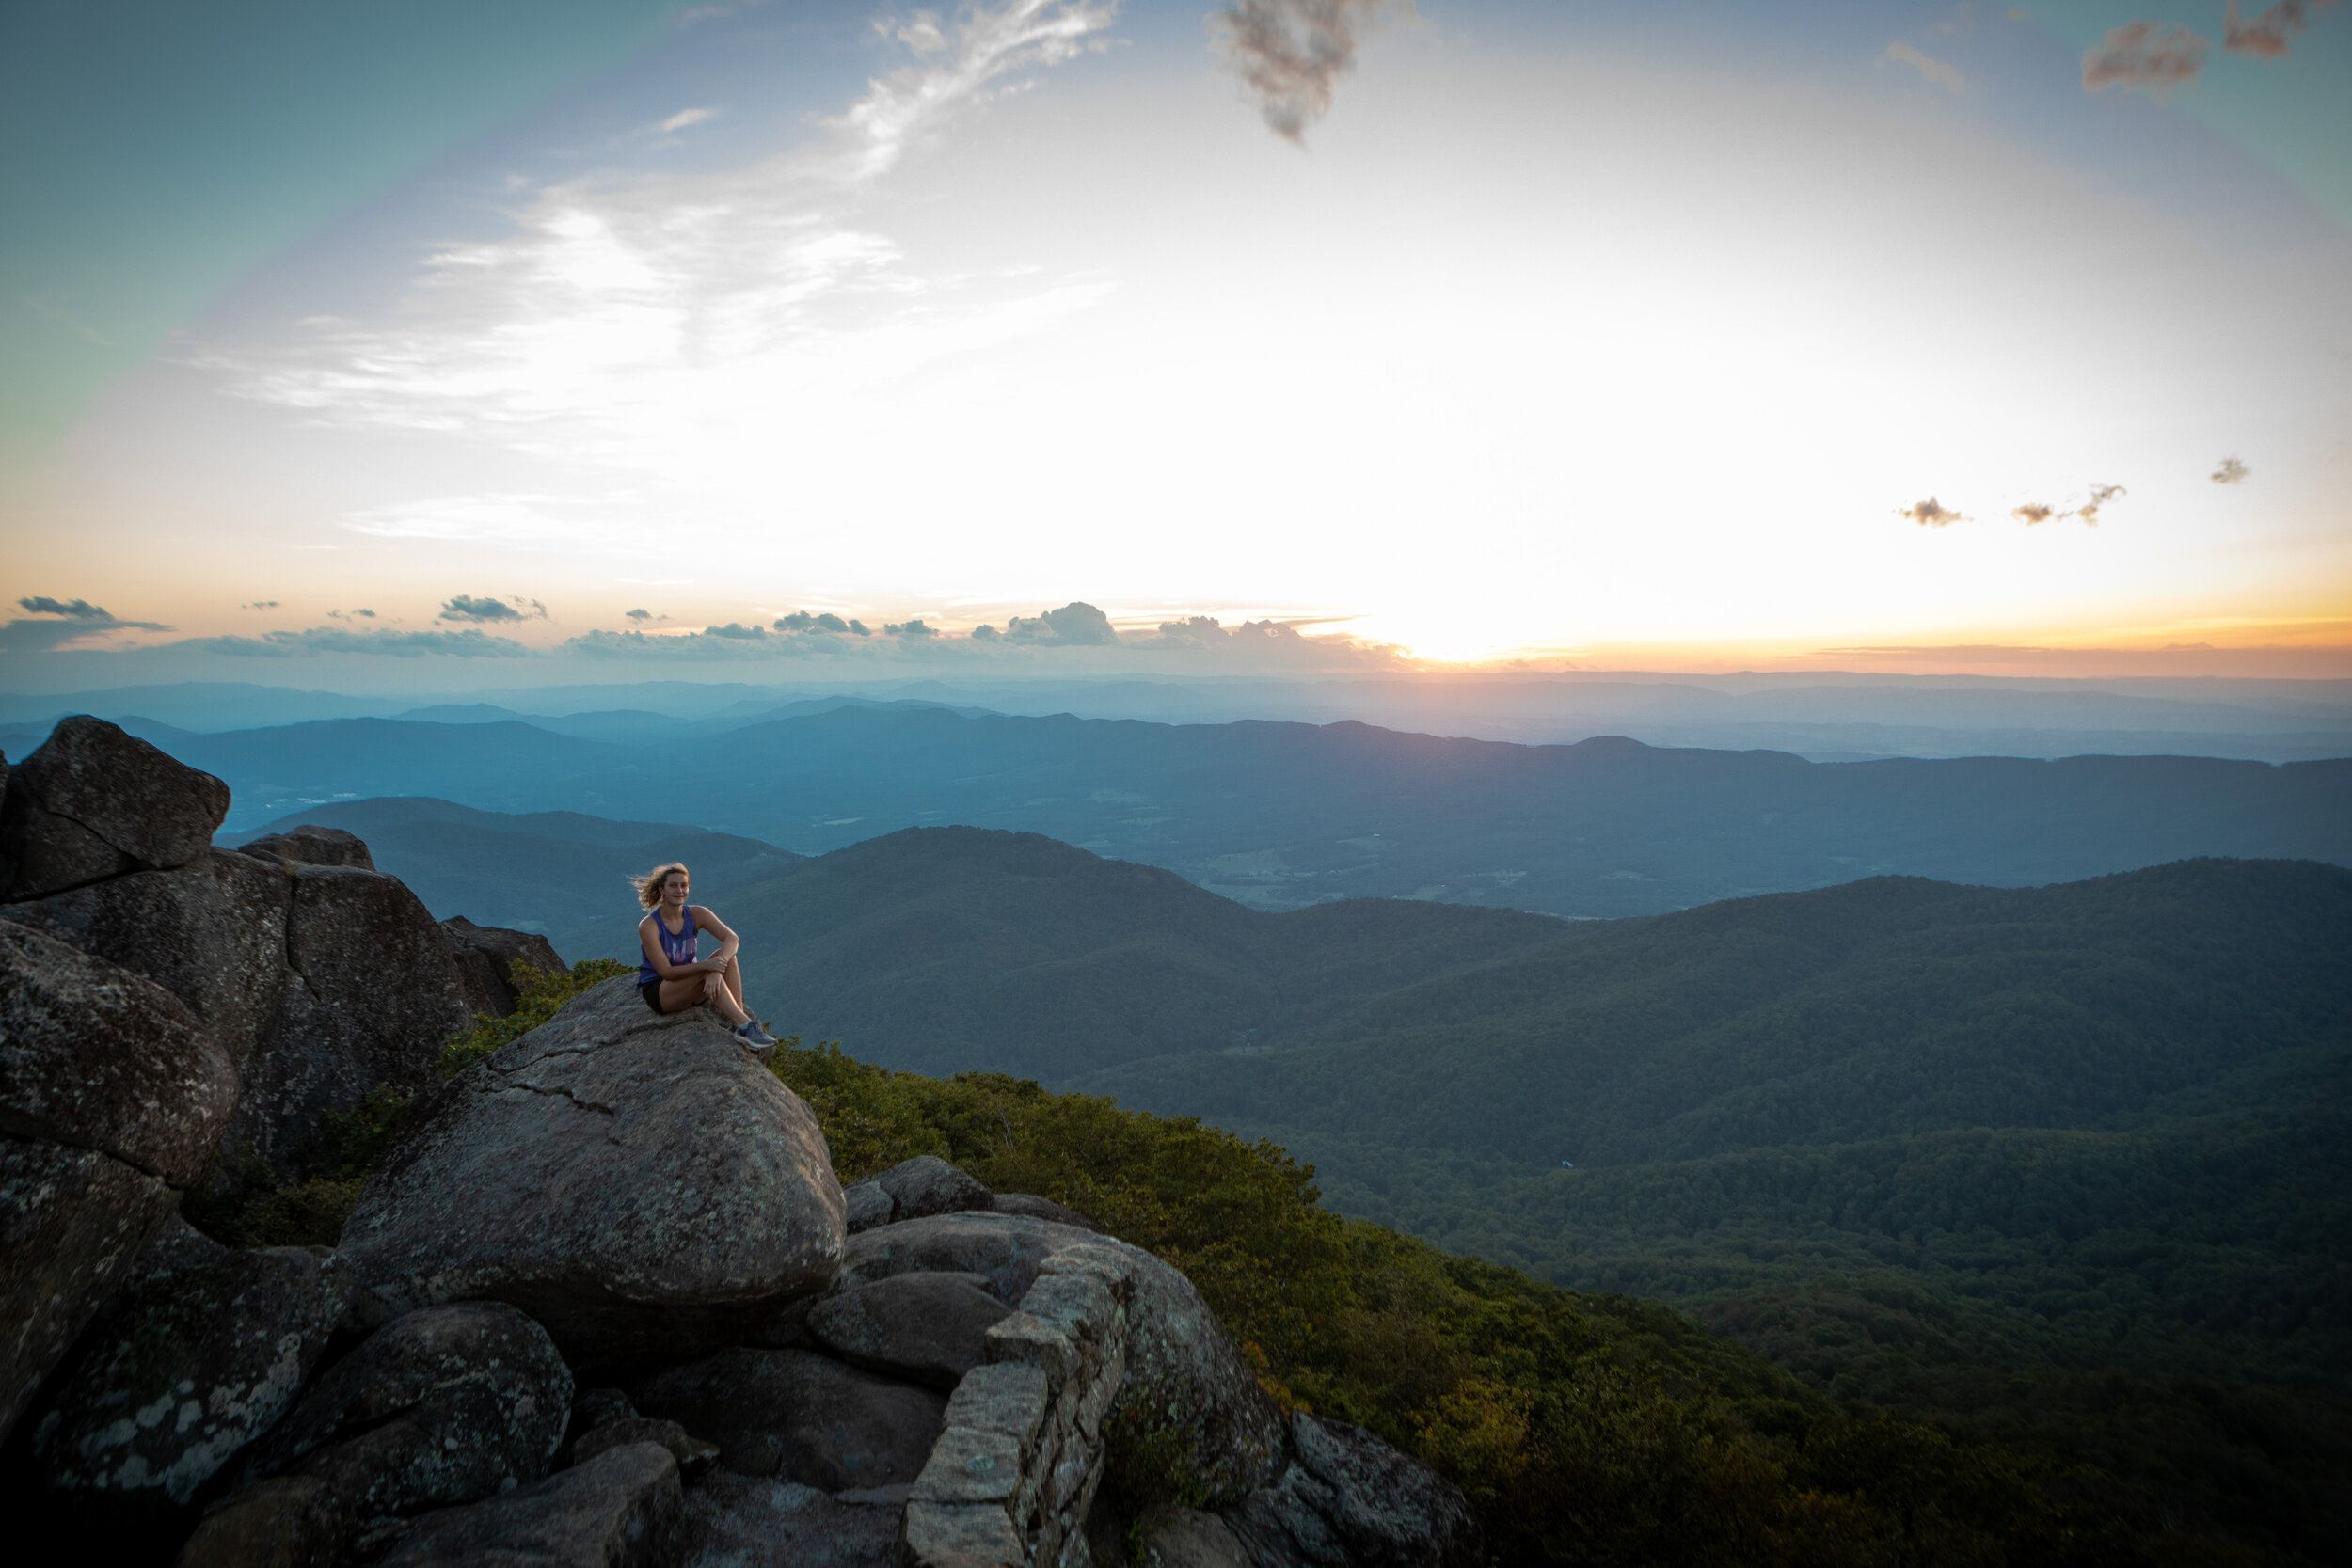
{"x":734,"y":973}
{"x":715,"y":991}
{"x":692,"y":990}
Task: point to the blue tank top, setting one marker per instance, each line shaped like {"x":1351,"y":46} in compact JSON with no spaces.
{"x":678,"y":948}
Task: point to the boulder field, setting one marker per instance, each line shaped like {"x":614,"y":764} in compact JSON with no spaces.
{"x":604,"y":1302}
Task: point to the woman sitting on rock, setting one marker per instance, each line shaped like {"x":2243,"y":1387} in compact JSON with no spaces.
{"x":672,"y":978}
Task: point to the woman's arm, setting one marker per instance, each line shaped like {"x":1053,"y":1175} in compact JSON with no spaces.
{"x":728,"y":941}
{"x":651,"y":946}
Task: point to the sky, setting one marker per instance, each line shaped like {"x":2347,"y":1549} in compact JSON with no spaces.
{"x":510,"y":339}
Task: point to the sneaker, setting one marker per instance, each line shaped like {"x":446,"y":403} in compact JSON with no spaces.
{"x":751,"y":1034}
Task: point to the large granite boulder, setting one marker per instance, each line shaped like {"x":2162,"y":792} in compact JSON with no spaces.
{"x":1349,"y":1500}
{"x":623,"y":1509}
{"x":198,"y":1358}
{"x":806,"y":1418}
{"x":485,"y":957}
{"x":93,"y":802}
{"x":1178,"y":1357}
{"x":111,"y":1099}
{"x":446,"y":1405}
{"x":636,"y":1182}
{"x":742,"y":1521}
{"x":927,"y":1328}
{"x":311,"y":844}
{"x":321,"y":982}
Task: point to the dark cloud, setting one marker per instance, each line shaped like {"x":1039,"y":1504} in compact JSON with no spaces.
{"x":1931,"y":514}
{"x":2100,"y":495}
{"x":730,"y":642}
{"x":351,"y":614}
{"x":2266,"y":35}
{"x":801,"y":620}
{"x":1290,"y":54}
{"x":2034,"y":512}
{"x":641,"y":615}
{"x":2147,"y":55}
{"x":1075,"y":624}
{"x":77,"y":609}
{"x":985,"y":633}
{"x":65,"y":621}
{"x":736,"y":631}
{"x":260,"y":604}
{"x":466,"y":607}
{"x":910,"y":629}
{"x":2230,"y":472}
{"x":469,"y":643}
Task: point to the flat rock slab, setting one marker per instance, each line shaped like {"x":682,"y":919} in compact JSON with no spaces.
{"x":927,"y":1328}
{"x":804,"y":1417}
{"x":754,"y":1522}
{"x":623,"y":1509}
{"x":638,"y":1183}
{"x":207,"y":1350}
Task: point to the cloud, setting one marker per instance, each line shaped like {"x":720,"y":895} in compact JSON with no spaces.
{"x":77,"y":609}
{"x":2100,"y":495}
{"x":656,"y":324}
{"x":260,"y":604}
{"x":685,"y":117}
{"x":1290,"y":54}
{"x":1073,"y":623}
{"x":2147,"y":55}
{"x":2230,"y":472}
{"x":1934,"y":71}
{"x":351,"y":614}
{"x":910,"y":629}
{"x":642,"y":615}
{"x":469,"y":643}
{"x":2034,"y":512}
{"x":464,"y":606}
{"x":2266,"y":35}
{"x":1931,"y":514}
{"x":63,"y":623}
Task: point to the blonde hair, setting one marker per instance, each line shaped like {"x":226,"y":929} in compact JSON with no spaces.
{"x":649,"y":885}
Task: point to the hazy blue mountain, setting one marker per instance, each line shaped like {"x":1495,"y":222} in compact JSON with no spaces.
{"x":1287,"y":814}
{"x":546,"y":871}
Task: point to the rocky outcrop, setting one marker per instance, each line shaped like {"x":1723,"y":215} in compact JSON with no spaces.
{"x":804,"y":1417}
{"x":486,"y":955}
{"x":202,"y":1353}
{"x":1178,"y":1358}
{"x":1348,"y":1500}
{"x":94,"y":802}
{"x":927,"y":1328}
{"x":638,"y":1183}
{"x":737,"y":1521}
{"x":111,"y":1099}
{"x":321,"y":981}
{"x":1038,"y":1208}
{"x":311,"y":844}
{"x":446,"y":1405}
{"x":693,"y":1455}
{"x":623,"y":1509}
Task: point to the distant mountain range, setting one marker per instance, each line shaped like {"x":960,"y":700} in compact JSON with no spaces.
{"x":1935,"y":1125}
{"x":1282,"y":815}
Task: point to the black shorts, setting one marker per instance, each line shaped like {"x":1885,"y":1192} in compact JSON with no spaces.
{"x":651,"y":991}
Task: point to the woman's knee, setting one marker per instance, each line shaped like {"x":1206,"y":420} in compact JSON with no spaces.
{"x":713,"y":983}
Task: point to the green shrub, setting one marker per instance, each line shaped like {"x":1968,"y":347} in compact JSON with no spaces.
{"x":538,"y":996}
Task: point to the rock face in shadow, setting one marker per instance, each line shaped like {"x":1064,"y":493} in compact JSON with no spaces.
{"x":320,"y":981}
{"x":927,"y":1328}
{"x":1178,"y":1358}
{"x":203,"y":1353}
{"x":485,"y":956}
{"x":749,"y":1522}
{"x":93,"y":802}
{"x":805,"y":1417}
{"x":310,"y":845}
{"x":638,"y":1183}
{"x":622,"y":1509}
{"x":1348,"y":1500}
{"x":111,"y":1099}
{"x":446,"y":1405}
